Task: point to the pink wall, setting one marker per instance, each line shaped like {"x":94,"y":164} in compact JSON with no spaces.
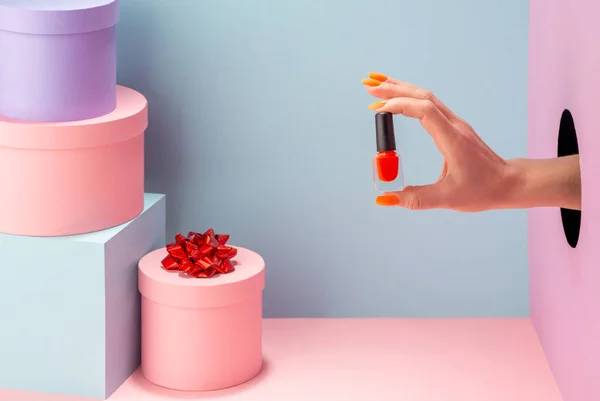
{"x":564,"y":72}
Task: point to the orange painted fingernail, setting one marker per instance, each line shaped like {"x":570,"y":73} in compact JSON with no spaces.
{"x":378,"y":76}
{"x":377,"y":105}
{"x":371,"y":82}
{"x":387,"y":200}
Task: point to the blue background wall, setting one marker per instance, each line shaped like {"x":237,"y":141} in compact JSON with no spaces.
{"x":259,"y":127}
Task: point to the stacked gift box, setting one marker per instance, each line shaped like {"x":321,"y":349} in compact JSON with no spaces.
{"x":74,"y":219}
{"x":89,"y":291}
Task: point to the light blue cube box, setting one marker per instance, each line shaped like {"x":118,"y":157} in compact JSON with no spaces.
{"x":70,"y":308}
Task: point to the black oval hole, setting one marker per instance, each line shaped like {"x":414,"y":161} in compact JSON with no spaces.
{"x":568,"y":146}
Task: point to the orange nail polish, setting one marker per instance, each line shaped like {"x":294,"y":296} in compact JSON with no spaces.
{"x":377,"y":76}
{"x":387,"y":200}
{"x":371,"y":82}
{"x":377,"y":105}
{"x":387,"y":164}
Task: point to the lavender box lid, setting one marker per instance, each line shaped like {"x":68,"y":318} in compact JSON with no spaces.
{"x":54,"y":17}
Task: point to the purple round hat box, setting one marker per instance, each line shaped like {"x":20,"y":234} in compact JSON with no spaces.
{"x":58,"y":59}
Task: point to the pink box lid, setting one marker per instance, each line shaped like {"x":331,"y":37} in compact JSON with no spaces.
{"x":129,"y":119}
{"x":174,"y":289}
{"x":55,"y":17}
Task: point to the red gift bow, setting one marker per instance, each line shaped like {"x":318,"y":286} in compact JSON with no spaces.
{"x":200,"y":255}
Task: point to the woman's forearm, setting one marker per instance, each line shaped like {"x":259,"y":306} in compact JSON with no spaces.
{"x":545,"y":183}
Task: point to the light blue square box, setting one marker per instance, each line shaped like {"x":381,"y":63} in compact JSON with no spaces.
{"x":70,"y":307}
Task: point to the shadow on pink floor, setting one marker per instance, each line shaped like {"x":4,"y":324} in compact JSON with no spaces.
{"x":140,"y":387}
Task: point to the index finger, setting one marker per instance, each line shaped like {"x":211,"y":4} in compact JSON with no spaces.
{"x":432,"y":119}
{"x":391,"y":87}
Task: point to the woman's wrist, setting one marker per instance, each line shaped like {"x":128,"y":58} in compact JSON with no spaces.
{"x":544,"y":183}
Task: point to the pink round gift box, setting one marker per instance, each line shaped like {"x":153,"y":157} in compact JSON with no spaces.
{"x":58,"y":60}
{"x":73,"y":177}
{"x":201,"y":334}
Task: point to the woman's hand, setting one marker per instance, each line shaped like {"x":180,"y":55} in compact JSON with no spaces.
{"x":473,"y":178}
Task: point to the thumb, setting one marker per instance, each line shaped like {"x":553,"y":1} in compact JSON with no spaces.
{"x":421,"y":197}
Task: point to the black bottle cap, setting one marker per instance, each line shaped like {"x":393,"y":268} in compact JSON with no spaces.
{"x":384,"y":129}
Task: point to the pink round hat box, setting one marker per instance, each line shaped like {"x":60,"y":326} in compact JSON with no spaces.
{"x":201,"y":334}
{"x":73,"y":177}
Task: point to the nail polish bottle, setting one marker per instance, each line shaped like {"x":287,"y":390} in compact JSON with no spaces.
{"x":387,"y":164}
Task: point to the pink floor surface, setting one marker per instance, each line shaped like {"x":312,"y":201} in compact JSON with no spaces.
{"x":377,"y":359}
